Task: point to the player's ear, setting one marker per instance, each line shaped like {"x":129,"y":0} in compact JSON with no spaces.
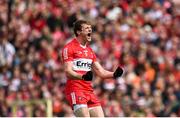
{"x":78,"y":32}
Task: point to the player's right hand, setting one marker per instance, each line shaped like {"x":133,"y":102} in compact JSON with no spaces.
{"x":88,"y":76}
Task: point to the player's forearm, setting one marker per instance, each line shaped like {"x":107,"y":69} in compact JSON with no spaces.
{"x":105,"y":74}
{"x":101,"y":72}
{"x":72,"y":74}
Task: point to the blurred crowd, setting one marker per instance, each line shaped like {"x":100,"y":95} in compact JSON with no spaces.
{"x":142,"y":36}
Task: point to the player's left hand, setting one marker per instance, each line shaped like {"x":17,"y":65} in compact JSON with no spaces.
{"x":118,"y":72}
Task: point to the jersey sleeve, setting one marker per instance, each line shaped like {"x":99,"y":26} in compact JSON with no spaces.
{"x":67,"y":54}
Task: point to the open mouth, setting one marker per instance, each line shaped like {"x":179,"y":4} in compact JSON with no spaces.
{"x":89,"y":34}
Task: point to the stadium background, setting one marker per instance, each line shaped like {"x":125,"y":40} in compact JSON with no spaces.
{"x":143,"y":36}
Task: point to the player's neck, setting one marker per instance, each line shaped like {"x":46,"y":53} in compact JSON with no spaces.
{"x":82,"y":41}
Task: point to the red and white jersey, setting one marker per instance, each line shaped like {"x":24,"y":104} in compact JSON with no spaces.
{"x":82,"y":59}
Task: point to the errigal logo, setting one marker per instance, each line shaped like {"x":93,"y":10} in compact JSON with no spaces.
{"x":82,"y":64}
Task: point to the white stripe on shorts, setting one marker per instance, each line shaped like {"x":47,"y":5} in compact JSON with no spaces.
{"x":73,"y":97}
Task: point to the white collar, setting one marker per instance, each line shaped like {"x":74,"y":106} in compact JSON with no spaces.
{"x":83,"y":46}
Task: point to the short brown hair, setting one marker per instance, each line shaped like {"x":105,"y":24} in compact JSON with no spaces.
{"x":78,"y":25}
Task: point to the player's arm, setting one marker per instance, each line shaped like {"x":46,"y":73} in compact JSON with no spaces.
{"x":101,"y":72}
{"x":70,"y":72}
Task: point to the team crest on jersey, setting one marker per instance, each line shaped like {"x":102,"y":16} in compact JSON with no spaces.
{"x":82,"y":64}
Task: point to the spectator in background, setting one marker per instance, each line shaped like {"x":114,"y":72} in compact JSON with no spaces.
{"x":7,"y":50}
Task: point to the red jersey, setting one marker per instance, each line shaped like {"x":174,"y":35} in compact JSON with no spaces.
{"x":82,"y":59}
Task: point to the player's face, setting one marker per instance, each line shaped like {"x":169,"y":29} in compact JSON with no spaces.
{"x":86,"y":32}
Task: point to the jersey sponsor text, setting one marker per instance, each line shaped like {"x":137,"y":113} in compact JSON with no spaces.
{"x":82,"y":64}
